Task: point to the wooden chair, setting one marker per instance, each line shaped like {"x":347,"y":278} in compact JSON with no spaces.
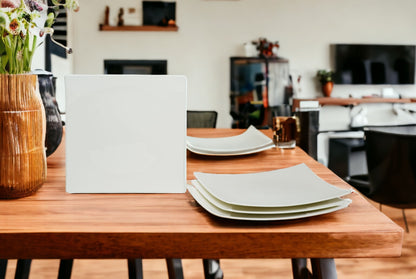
{"x":391,"y":161}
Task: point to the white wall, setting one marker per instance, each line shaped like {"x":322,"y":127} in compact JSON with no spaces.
{"x":60,"y":68}
{"x":211,"y":31}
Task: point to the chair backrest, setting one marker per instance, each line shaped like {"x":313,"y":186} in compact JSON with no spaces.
{"x":201,"y":118}
{"x":391,"y":161}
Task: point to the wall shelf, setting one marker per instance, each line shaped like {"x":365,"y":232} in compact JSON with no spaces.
{"x":139,"y":28}
{"x":352,"y":101}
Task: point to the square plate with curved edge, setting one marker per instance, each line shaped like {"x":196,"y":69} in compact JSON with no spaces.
{"x":293,"y":186}
{"x":245,"y":152}
{"x":264,"y":210}
{"x":259,"y":217}
{"x":252,"y":140}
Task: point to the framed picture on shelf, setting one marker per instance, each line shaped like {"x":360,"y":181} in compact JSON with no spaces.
{"x":159,"y":13}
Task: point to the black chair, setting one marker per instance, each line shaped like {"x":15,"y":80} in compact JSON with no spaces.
{"x":3,"y":268}
{"x":23,"y":268}
{"x":391,"y":161}
{"x":205,"y":119}
{"x":201,"y":118}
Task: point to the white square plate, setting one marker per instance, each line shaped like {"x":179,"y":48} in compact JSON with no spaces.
{"x":293,"y":186}
{"x":125,"y":134}
{"x":260,"y":217}
{"x":251,"y":141}
{"x":265,"y":210}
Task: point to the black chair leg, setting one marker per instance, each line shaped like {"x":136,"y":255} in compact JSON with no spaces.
{"x":135,"y":267}
{"x":300,"y":269}
{"x":212,"y":269}
{"x":323,"y":268}
{"x":65,"y":269}
{"x":3,"y":268}
{"x":22,"y":269}
{"x":405,"y":221}
{"x":175,"y":270}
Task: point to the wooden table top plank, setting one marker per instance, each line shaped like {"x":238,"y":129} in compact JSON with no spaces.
{"x":56,"y":224}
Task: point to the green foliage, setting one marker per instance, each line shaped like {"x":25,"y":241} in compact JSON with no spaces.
{"x":21,"y":23}
{"x":325,"y":76}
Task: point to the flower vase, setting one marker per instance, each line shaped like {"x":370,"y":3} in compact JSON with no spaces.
{"x":22,"y":136}
{"x":327,"y":88}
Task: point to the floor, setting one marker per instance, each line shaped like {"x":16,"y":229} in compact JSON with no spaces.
{"x":403,"y":267}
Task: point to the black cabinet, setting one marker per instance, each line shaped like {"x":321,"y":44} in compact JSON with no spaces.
{"x":260,"y":87}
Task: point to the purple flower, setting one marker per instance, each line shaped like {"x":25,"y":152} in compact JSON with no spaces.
{"x":33,"y":5}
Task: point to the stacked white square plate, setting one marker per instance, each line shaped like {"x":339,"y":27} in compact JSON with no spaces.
{"x":291,"y":193}
{"x":251,"y":141}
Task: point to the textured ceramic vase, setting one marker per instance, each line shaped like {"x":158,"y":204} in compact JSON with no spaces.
{"x":54,"y":129}
{"x":22,"y":136}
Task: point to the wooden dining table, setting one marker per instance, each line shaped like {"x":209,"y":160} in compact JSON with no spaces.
{"x":55,"y":224}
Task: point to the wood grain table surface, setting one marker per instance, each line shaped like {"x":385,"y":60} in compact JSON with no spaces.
{"x":56,"y":224}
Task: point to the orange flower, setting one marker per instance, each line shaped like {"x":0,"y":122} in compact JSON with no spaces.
{"x":14,"y":26}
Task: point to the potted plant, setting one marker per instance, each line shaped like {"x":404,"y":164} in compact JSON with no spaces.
{"x":23,"y":23}
{"x":325,"y":77}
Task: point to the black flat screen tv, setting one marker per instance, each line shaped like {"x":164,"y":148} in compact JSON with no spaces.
{"x":374,"y":64}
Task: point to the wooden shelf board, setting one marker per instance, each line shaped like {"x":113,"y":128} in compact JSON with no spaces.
{"x":138,"y":28}
{"x":352,"y":101}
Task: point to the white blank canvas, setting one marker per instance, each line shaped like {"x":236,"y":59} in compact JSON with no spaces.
{"x":125,"y":134}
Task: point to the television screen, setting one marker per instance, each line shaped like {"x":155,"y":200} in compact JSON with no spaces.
{"x":374,"y":64}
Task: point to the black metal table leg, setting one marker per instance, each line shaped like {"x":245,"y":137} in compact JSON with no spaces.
{"x":324,"y":269}
{"x":3,"y":268}
{"x":300,"y":269}
{"x":65,"y":269}
{"x":22,"y":269}
{"x":135,"y":268}
{"x":212,"y":269}
{"x":175,"y":270}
